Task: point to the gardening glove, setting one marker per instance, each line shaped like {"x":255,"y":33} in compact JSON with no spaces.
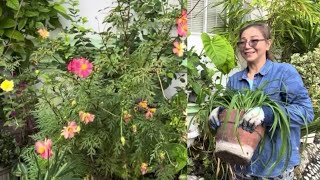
{"x":214,"y":121}
{"x":252,"y":118}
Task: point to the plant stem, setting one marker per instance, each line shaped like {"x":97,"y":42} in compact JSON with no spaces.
{"x":164,"y":95}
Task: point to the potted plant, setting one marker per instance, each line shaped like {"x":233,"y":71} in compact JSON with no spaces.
{"x":236,"y":144}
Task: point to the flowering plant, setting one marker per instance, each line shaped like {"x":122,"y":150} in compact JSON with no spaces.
{"x":101,"y":99}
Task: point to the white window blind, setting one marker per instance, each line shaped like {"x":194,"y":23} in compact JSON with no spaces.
{"x":203,"y":17}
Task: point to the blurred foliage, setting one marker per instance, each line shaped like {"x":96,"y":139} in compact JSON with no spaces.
{"x":308,"y":65}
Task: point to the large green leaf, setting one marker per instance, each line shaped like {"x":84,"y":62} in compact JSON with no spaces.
{"x":62,"y":11}
{"x":7,"y":23}
{"x":14,"y":35}
{"x":22,"y":23}
{"x":14,"y":4}
{"x":220,"y":51}
{"x":178,"y":154}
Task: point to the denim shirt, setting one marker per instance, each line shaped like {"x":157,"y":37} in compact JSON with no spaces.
{"x":287,"y":89}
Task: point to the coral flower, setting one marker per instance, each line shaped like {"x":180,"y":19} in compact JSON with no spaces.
{"x":182,"y":23}
{"x":182,"y":18}
{"x":80,"y":66}
{"x":86,"y":117}
{"x":126,"y":117}
{"x":144,"y":168}
{"x":43,"y":33}
{"x":7,"y":85}
{"x":148,"y":114}
{"x":69,"y":131}
{"x":178,"y":48}
{"x":43,"y":148}
{"x":153,"y":110}
{"x":182,"y":30}
{"x":143,"y":104}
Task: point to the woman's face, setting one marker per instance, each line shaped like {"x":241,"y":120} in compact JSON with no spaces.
{"x":253,"y":45}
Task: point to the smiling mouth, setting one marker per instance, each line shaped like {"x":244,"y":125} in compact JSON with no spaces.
{"x":249,"y":53}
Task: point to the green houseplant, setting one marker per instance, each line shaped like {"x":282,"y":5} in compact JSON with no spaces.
{"x":206,"y":72}
{"x":236,"y":103}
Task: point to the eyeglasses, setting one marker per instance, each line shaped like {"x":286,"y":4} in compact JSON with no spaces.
{"x":252,"y":43}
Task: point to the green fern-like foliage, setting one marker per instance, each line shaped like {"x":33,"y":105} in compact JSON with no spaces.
{"x":132,"y":64}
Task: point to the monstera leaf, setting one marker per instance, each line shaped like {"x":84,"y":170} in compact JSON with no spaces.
{"x":219,"y":51}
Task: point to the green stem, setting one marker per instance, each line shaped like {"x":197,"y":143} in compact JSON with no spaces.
{"x":38,"y":173}
{"x":121,"y":122}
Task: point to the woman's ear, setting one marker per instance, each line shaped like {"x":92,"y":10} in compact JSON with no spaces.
{"x":269,"y":42}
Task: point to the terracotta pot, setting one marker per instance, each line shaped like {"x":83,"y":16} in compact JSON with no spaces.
{"x":236,"y":147}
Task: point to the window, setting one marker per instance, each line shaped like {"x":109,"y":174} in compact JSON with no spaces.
{"x":203,"y":17}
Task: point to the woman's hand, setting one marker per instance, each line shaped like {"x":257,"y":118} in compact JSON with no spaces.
{"x":214,"y":121}
{"x":252,"y":118}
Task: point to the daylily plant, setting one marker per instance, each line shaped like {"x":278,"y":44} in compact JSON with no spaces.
{"x":44,"y":148}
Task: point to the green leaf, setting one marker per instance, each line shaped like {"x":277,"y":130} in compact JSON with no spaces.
{"x":14,"y":4}
{"x":31,"y":13}
{"x":22,"y":23}
{"x":44,"y":9}
{"x":14,"y":35}
{"x":18,"y":48}
{"x":220,"y":51}
{"x":170,"y":75}
{"x":193,"y":108}
{"x":196,"y":87}
{"x":1,"y":32}
{"x":1,"y":50}
{"x":62,"y":11}
{"x":7,"y":23}
{"x":0,"y":11}
{"x":39,"y":25}
{"x":178,"y":153}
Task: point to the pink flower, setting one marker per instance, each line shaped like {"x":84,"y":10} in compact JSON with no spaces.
{"x":148,"y":114}
{"x":182,"y":18}
{"x":86,"y":117}
{"x":182,"y":30}
{"x":81,"y":67}
{"x":178,"y":48}
{"x":43,"y":148}
{"x":144,"y":168}
{"x":182,"y":23}
{"x":127,"y":117}
{"x":69,"y":131}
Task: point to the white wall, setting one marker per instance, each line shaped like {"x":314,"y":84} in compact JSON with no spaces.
{"x":95,"y":11}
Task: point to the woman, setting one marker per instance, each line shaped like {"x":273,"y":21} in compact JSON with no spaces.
{"x":285,"y":87}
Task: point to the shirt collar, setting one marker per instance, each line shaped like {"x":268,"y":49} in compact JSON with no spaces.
{"x":263,"y":71}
